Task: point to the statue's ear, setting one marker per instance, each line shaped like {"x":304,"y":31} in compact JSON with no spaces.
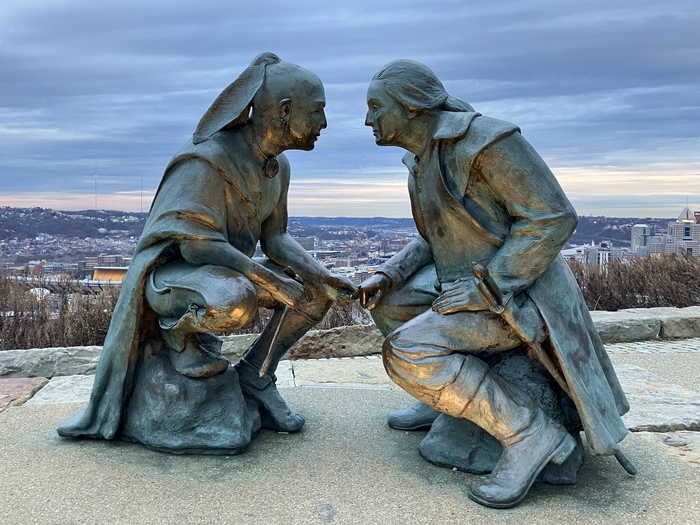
{"x":284,"y":108}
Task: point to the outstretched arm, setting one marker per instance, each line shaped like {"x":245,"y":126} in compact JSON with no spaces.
{"x":395,"y":272}
{"x":281,"y":247}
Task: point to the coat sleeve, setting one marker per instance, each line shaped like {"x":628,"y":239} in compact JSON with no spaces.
{"x":414,"y":256}
{"x":541,"y":217}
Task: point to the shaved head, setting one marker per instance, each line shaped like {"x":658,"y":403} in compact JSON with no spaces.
{"x":288,"y":109}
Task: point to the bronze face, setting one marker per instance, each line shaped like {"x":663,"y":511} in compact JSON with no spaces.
{"x":387,"y":118}
{"x":307,"y":117}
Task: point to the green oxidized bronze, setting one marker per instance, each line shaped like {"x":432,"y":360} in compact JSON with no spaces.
{"x":483,"y":319}
{"x":162,"y":380}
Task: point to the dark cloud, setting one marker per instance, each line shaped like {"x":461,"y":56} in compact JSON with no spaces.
{"x":594,"y":84}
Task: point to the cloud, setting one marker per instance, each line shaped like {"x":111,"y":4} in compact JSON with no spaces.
{"x":604,"y":90}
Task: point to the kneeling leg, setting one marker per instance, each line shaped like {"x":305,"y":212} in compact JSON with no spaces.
{"x":423,"y":357}
{"x":192,"y":301}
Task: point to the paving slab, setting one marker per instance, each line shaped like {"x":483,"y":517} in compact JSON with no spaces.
{"x":673,"y":346}
{"x":655,"y":404}
{"x":680,"y":368}
{"x":355,"y":372}
{"x":64,"y":389}
{"x":345,"y":467}
{"x":49,"y":362}
{"x":624,"y":325}
{"x":684,"y":444}
{"x":15,"y":392}
{"x":675,"y":322}
{"x":285,"y":375}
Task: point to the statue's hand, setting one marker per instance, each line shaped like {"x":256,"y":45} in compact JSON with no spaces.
{"x":287,"y":291}
{"x":339,"y":289}
{"x":373,"y":289}
{"x":461,"y":295}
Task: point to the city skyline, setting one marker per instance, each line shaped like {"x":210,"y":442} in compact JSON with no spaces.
{"x":607,"y":92}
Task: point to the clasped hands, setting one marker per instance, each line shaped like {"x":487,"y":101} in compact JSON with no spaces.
{"x":291,"y":292}
{"x":461,"y":295}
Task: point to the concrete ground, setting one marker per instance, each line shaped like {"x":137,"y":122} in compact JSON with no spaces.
{"x":345,"y":467}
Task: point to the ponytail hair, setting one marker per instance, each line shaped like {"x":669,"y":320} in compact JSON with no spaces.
{"x":232,"y":106}
{"x":417,"y":88}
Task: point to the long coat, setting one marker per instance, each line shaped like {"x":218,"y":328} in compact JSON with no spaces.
{"x":482,"y":193}
{"x":205,"y":193}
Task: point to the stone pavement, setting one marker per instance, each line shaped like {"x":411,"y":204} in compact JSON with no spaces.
{"x":347,"y":466}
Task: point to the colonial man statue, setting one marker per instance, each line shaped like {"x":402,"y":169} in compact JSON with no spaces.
{"x":193,"y":275}
{"x":481,"y":194}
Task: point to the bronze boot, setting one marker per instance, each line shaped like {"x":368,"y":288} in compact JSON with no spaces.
{"x":530,"y":439}
{"x":524,"y":456}
{"x":274,"y":412}
{"x":416,"y":417}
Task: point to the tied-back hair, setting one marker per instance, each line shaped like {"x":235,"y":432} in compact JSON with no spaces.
{"x":417,"y":88}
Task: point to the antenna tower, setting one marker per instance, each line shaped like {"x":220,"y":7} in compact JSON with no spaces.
{"x":95,"y":184}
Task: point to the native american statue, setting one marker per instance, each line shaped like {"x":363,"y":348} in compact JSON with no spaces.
{"x":483,"y":319}
{"x":161,"y":379}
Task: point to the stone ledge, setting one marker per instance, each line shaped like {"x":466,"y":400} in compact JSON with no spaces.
{"x":644,"y":324}
{"x":49,"y":362}
{"x":624,"y":326}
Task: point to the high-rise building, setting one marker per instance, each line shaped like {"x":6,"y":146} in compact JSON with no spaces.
{"x":640,"y":239}
{"x":683,"y":236}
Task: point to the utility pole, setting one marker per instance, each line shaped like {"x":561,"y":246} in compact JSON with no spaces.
{"x":95,"y":184}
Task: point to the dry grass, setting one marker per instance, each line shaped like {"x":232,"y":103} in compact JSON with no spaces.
{"x":72,"y":319}
{"x":663,"y":280}
{"x":28,"y":320}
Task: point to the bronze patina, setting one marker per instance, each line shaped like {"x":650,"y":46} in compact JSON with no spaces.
{"x":484,"y":285}
{"x":161,"y":379}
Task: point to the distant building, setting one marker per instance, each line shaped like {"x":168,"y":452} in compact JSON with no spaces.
{"x":641,"y":234}
{"x":104,"y":260}
{"x":348,"y":262}
{"x":113,"y":274}
{"x":683,"y":236}
{"x":604,"y":253}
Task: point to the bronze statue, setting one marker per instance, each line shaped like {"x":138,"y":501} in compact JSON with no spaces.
{"x":193,"y":275}
{"x":483,"y":279}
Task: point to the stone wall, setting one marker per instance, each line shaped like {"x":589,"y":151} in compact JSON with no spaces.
{"x":623,"y":326}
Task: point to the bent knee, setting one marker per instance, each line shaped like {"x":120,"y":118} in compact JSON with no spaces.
{"x":235,"y":307}
{"x":397,"y":361}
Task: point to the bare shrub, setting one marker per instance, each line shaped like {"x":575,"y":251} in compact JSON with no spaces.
{"x":658,"y":280}
{"x":29,"y":319}
{"x":69,"y":318}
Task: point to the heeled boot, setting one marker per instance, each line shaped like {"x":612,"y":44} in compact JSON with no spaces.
{"x":530,"y":438}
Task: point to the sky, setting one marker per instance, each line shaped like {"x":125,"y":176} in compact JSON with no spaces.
{"x":607,"y":92}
